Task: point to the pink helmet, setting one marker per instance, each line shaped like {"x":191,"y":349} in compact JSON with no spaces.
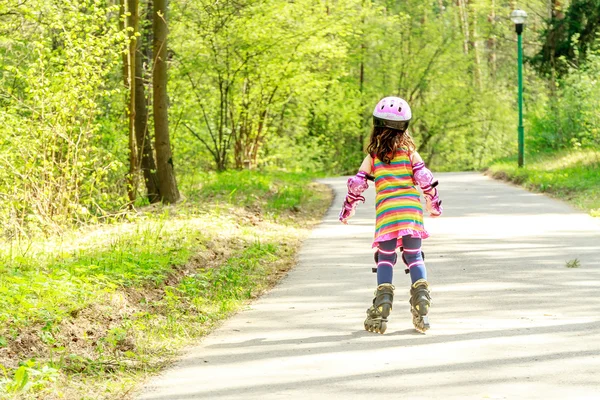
{"x":392,"y":112}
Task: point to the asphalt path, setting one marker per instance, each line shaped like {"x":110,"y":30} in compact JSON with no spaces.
{"x":509,"y":320}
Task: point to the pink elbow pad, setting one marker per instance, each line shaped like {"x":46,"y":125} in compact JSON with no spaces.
{"x":423,"y":177}
{"x":358,"y":184}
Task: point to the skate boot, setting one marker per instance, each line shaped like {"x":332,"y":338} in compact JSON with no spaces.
{"x":382,"y":306}
{"x":420,"y":300}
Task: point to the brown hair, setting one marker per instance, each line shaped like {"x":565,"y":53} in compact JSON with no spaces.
{"x":385,"y":141}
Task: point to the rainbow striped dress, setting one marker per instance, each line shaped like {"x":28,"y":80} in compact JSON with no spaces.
{"x":397,"y":203}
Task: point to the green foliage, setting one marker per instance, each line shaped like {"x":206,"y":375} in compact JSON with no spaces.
{"x":572,"y":175}
{"x":134,"y":292}
{"x":271,"y":192}
{"x":46,"y":286}
{"x":293,"y":85}
{"x":570,"y":118}
{"x":53,"y":75}
{"x":569,"y":37}
{"x":30,"y":376}
{"x":267,"y":83}
{"x":242,"y":69}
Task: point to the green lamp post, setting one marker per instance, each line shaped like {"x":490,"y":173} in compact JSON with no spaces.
{"x":519,"y":17}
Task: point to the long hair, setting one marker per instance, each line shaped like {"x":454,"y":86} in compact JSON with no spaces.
{"x":385,"y":141}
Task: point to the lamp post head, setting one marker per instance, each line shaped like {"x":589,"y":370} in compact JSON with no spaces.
{"x":518,"y":17}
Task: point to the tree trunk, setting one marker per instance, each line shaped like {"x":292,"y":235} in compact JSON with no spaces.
{"x":244,"y":128}
{"x":491,"y":41}
{"x":363,"y":120}
{"x":125,"y":68}
{"x":133,"y":159}
{"x":556,"y":14}
{"x":473,"y":45}
{"x":464,"y":24}
{"x":557,"y":10}
{"x":148,"y":34}
{"x":142,"y":134}
{"x":164,"y":158}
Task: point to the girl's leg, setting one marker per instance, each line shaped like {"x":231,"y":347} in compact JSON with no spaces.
{"x":378,"y":313}
{"x":420,"y":298}
{"x":385,"y":261}
{"x":414,"y":258}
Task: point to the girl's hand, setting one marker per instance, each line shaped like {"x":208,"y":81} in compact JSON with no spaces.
{"x":433,"y":205}
{"x":346,"y":214}
{"x":349,"y":208}
{"x":356,"y":186}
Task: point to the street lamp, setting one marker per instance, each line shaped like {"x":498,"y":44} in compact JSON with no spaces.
{"x":519,"y":17}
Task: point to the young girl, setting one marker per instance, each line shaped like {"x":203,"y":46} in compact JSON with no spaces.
{"x":396,"y":168}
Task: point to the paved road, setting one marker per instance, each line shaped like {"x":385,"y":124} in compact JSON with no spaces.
{"x":509,"y":320}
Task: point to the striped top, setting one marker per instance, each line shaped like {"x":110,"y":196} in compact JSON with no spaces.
{"x":397,"y":203}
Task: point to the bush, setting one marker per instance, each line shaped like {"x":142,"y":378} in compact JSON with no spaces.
{"x":570,"y":119}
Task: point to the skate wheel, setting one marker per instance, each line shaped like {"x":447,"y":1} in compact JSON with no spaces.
{"x":376,"y":326}
{"x":382,"y":328}
{"x":422,"y":324}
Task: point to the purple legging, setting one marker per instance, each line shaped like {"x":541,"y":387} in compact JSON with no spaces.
{"x":412,"y":256}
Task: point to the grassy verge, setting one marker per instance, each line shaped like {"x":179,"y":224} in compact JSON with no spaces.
{"x":573,"y":176}
{"x":92,"y":313}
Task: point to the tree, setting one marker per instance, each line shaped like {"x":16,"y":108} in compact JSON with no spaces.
{"x":164,"y":158}
{"x":132,"y":26}
{"x":145,"y":154}
{"x":568,"y":37}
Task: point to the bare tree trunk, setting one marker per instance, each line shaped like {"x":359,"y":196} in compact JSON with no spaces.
{"x":253,"y":154}
{"x":148,"y":33}
{"x":491,"y":41}
{"x":464,"y":24}
{"x":473,"y":45}
{"x":129,"y":77}
{"x":363,"y":120}
{"x":164,"y":158}
{"x":244,"y":128}
{"x":142,"y":134}
{"x":556,"y":14}
{"x":125,"y":68}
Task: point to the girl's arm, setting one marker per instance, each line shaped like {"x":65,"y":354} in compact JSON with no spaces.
{"x":424,"y":178}
{"x":415,"y":157}
{"x":366,"y":165}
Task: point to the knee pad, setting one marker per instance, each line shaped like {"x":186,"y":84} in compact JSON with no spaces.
{"x":376,"y":257}
{"x":412,"y":257}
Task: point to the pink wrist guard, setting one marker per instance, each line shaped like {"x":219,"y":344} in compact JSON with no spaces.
{"x":356,"y":186}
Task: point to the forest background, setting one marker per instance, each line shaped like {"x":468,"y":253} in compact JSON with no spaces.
{"x":111,"y":110}
{"x":269,"y":84}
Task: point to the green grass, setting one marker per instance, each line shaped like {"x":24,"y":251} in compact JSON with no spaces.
{"x":91,"y":313}
{"x":273,"y":192}
{"x":573,"y":176}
